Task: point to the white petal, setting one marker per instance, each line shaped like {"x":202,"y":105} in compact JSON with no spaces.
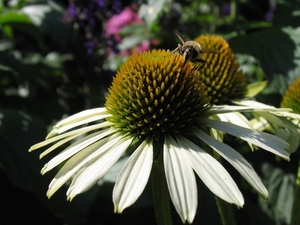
{"x":58,"y":144}
{"x":74,"y":164}
{"x":133,"y":177}
{"x":266,"y":141}
{"x":76,"y":147}
{"x":90,"y":113}
{"x":235,"y":118}
{"x":236,"y":160}
{"x":257,"y":107}
{"x":75,"y":133}
{"x":63,"y":128}
{"x":252,"y":103}
{"x":238,"y":119}
{"x":212,"y":173}
{"x":289,"y":115}
{"x":181,"y":180}
{"x":95,"y":169}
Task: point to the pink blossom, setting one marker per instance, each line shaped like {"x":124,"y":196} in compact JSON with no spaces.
{"x":117,"y":22}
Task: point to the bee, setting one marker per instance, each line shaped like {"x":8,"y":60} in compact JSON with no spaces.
{"x":191,"y":51}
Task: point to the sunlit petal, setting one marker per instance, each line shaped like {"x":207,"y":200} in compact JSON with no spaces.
{"x":74,"y":164}
{"x":266,"y":141}
{"x":236,"y":160}
{"x":133,"y":177}
{"x":82,"y":116}
{"x":235,"y":118}
{"x":212,"y":173}
{"x":217,"y":109}
{"x":94,"y":170}
{"x":180,"y":179}
{"x":74,"y":133}
{"x":76,"y":147}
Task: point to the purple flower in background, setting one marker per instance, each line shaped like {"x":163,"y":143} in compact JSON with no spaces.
{"x":90,"y":46}
{"x":225,"y":10}
{"x":117,"y":6}
{"x":70,"y":13}
{"x":101,"y":5}
{"x":269,"y":15}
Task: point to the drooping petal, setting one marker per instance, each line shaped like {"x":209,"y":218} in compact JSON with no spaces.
{"x":79,"y":160}
{"x":75,"y":147}
{"x":217,"y":109}
{"x":266,"y":141}
{"x":74,"y":133}
{"x":84,"y":117}
{"x":235,"y":118}
{"x":212,"y":173}
{"x":67,"y":126}
{"x":238,"y":119}
{"x":236,"y":160}
{"x":180,"y":179}
{"x":94,"y":170}
{"x":133,"y":177}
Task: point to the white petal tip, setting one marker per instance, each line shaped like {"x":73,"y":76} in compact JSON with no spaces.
{"x":117,"y":210}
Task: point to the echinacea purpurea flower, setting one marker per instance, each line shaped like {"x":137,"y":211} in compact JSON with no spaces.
{"x":157,"y":107}
{"x":227,"y":84}
{"x":221,"y":74}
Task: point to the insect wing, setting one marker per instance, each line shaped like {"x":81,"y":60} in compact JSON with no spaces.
{"x":180,"y":36}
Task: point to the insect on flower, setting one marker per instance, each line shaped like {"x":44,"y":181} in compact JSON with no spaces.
{"x":191,"y":51}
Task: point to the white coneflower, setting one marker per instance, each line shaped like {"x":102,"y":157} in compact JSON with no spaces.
{"x":159,"y":113}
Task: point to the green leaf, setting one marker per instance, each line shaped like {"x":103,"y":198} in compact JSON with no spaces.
{"x":281,"y":193}
{"x":48,"y":20}
{"x":287,"y":13}
{"x":254,"y":88}
{"x":14,"y":17}
{"x":18,"y":131}
{"x":20,"y":21}
{"x":276,"y":49}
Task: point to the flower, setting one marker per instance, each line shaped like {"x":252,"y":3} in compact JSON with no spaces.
{"x":227,"y":84}
{"x":156,"y":108}
{"x":115,"y":40}
{"x":118,"y":21}
{"x":291,"y":99}
{"x":221,"y":73}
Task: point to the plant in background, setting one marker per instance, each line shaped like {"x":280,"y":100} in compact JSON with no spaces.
{"x":159,"y":113}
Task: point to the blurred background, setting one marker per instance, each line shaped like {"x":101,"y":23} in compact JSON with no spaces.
{"x":59,"y":57}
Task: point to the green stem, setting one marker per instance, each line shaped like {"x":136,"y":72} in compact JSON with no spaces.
{"x":226,"y":212}
{"x":160,"y":192}
{"x":296,"y":205}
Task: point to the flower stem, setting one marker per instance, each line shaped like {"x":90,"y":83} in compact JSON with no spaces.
{"x":160,"y":192}
{"x":226,"y":212}
{"x":296,"y":205}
